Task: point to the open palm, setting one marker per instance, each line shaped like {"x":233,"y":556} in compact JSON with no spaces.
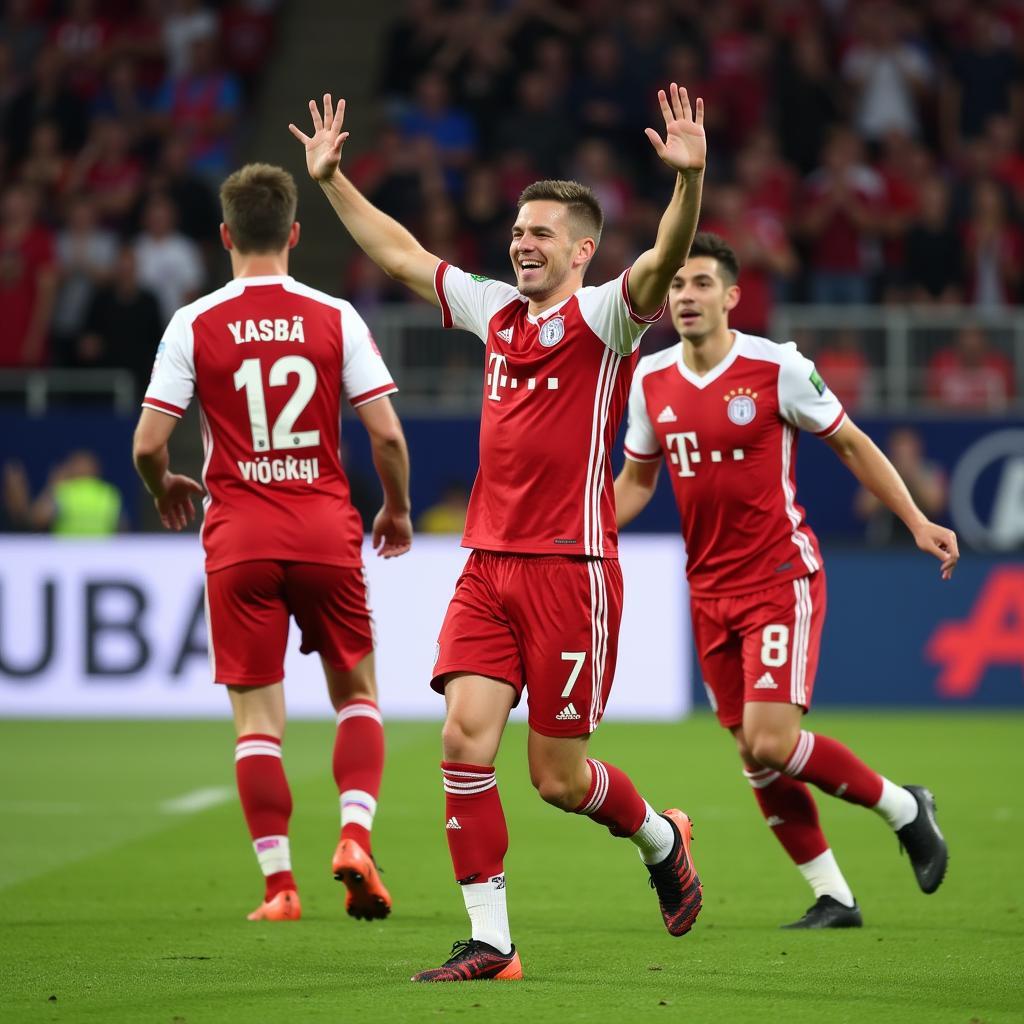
{"x":323,"y":147}
{"x":685,"y":147}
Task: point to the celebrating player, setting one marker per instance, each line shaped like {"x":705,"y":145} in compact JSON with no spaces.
{"x":269,"y":359}
{"x":724,"y":408}
{"x":538,"y":604}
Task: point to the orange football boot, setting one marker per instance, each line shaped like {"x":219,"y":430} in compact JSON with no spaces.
{"x":285,"y":906}
{"x":367,"y":897}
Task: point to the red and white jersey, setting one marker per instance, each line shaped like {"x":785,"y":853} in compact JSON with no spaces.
{"x":729,"y":439}
{"x":268,"y":359}
{"x":555,"y":390}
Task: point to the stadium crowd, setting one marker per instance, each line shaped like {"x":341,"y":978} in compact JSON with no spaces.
{"x":863,"y":151}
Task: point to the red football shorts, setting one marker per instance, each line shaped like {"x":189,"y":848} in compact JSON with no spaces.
{"x":545,"y":623}
{"x":760,"y":647}
{"x":247,"y":609}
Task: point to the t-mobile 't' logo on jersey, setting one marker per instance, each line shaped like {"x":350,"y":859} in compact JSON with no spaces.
{"x":498,"y":379}
{"x":684,"y":452}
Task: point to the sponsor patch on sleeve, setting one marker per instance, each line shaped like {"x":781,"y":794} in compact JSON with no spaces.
{"x":479,"y":277}
{"x":817,"y":382}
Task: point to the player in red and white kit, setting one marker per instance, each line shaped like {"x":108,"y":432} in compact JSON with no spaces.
{"x":268,"y":360}
{"x":537,"y":607}
{"x":723,"y":409}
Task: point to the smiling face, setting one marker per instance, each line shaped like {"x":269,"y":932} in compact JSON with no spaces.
{"x":700,"y":297}
{"x":546,"y":251}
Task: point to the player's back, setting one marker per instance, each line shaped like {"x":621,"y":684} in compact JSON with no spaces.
{"x":269,"y":359}
{"x":730,"y":438}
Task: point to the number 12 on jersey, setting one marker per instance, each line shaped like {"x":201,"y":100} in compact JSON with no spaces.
{"x":282,"y":435}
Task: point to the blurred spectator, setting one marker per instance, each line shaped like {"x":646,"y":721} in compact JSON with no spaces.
{"x":433,"y":117}
{"x":139,"y":38}
{"x":602,"y":94}
{"x":122,"y":325}
{"x":970,"y":374}
{"x":441,"y":232}
{"x":992,"y":249}
{"x":187,"y":22}
{"x":807,"y":99}
{"x":109,"y":171}
{"x":196,"y":203}
{"x":537,"y":125}
{"x":767,"y":180}
{"x":28,"y":280}
{"x":413,"y":41}
{"x":983,"y":78}
{"x":1003,"y":136}
{"x":86,"y":253}
{"x":483,"y":78}
{"x":201,"y":104}
{"x":759,"y":239}
{"x":845,"y":368}
{"x":933,"y":259}
{"x":840,"y":220}
{"x":46,"y":168}
{"x":448,"y":515}
{"x":594,"y":162}
{"x":82,"y":37}
{"x":169,"y":264}
{"x":889,"y":74}
{"x":23,"y":32}
{"x":247,"y":34}
{"x":925,"y":480}
{"x":45,"y":97}
{"x":486,"y":215}
{"x":124,"y":98}
{"x":76,"y":502}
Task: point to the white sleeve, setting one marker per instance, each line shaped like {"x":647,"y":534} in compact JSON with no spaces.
{"x":641,"y":443}
{"x":469,"y":301}
{"x":804,"y":398}
{"x":609,"y":314}
{"x":174,"y":370}
{"x":364,"y":376}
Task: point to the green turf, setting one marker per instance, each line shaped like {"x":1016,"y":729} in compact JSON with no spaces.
{"x":126,"y":913}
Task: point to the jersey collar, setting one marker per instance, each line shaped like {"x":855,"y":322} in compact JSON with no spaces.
{"x":550,"y":311}
{"x":244,"y":282}
{"x":701,"y":382}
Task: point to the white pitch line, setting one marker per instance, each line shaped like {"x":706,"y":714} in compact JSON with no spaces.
{"x":197,"y":800}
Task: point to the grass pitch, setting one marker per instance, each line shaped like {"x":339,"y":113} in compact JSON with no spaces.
{"x":123,"y":902}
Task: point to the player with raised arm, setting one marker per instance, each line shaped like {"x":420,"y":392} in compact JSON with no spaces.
{"x":538,"y":604}
{"x":724,"y":410}
{"x":269,"y":359}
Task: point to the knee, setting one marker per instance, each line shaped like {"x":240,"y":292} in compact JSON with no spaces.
{"x":460,"y":742}
{"x":558,"y":790}
{"x":771,"y":749}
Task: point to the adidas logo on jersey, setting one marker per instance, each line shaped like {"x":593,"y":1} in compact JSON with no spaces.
{"x":506,"y":335}
{"x":568,"y":714}
{"x":775,"y":820}
{"x":667,"y":415}
{"x":766,"y":683}
{"x":453,"y":822}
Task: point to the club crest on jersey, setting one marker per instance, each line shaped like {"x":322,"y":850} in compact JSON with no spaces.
{"x":742,"y":406}
{"x":552,"y":332}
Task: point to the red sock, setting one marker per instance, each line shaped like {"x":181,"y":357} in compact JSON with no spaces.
{"x":791,"y":812}
{"x":358,"y":765}
{"x":266,"y":800}
{"x":835,"y":769}
{"x":474,"y":821}
{"x":612,"y":800}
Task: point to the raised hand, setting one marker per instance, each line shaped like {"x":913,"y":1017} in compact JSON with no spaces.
{"x":175,"y":503}
{"x":941,"y":542}
{"x":323,"y":147}
{"x":392,"y":533}
{"x":685,"y":147}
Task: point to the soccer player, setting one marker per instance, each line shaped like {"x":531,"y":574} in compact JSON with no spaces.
{"x":268,"y":359}
{"x":723,"y":409}
{"x":538,"y":604}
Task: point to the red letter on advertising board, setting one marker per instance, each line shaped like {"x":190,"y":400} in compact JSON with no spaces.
{"x":993,"y":634}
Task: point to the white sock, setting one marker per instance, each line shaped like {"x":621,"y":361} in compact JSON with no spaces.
{"x":488,"y":914}
{"x":654,"y":838}
{"x":357,"y":808}
{"x":897,"y":805}
{"x":273,"y":853}
{"x":825,"y":878}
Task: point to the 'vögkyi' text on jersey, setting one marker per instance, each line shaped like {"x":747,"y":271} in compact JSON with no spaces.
{"x":268,"y":358}
{"x":555,"y":389}
{"x":729,"y":441}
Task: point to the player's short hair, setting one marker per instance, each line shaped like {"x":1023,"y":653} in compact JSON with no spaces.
{"x":585,"y":211}
{"x":707,"y":243}
{"x":259,"y":202}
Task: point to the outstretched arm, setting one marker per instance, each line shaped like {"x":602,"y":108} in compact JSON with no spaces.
{"x":634,"y":488}
{"x":870,"y":466}
{"x":381,"y":237}
{"x":685,"y":151}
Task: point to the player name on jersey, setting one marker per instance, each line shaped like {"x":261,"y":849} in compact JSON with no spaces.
{"x":278,"y":329}
{"x":267,"y":471}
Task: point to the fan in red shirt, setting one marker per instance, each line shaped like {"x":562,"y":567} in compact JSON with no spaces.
{"x":537,"y":607}
{"x":724,"y":410}
{"x":269,"y":359}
